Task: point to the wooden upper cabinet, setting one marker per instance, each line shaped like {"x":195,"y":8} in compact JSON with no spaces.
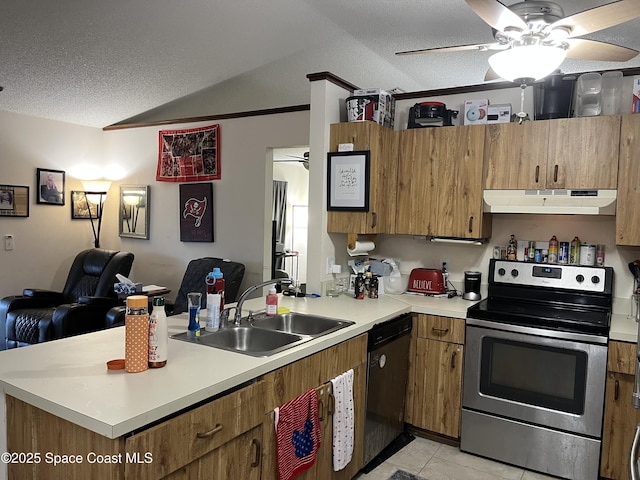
{"x":440,"y":183}
{"x":583,"y":153}
{"x":572,"y":153}
{"x":382,"y":144}
{"x":416,"y":195}
{"x":459,"y":152}
{"x":627,"y":224}
{"x":515,"y":155}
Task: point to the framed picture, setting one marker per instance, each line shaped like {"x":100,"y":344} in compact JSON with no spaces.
{"x":14,"y":201}
{"x":50,"y":184}
{"x":348,"y":181}
{"x":196,"y":212}
{"x":80,"y":207}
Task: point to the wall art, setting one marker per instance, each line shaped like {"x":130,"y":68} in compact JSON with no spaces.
{"x":80,"y":207}
{"x":14,"y":201}
{"x":50,"y":186}
{"x":196,"y":212}
{"x":191,"y":155}
{"x":348,"y":181}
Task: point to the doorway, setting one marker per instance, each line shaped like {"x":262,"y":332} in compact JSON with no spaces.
{"x":291,"y":165}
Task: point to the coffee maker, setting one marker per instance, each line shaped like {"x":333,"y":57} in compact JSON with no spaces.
{"x":472,"y":285}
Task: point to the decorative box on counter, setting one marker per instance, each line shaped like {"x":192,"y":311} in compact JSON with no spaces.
{"x":127,"y":288}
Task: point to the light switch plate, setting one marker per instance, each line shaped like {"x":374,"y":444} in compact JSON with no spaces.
{"x":8,"y":242}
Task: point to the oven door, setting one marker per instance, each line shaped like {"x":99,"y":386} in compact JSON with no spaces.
{"x":530,"y":375}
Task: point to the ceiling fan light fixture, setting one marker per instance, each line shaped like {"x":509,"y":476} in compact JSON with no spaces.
{"x":527,"y":62}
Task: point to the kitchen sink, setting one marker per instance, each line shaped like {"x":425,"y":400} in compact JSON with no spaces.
{"x":300,"y":324}
{"x":257,"y":342}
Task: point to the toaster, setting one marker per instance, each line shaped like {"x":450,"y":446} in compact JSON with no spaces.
{"x":428,"y":281}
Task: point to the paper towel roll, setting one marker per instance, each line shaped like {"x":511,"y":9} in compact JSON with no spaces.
{"x":361,"y":248}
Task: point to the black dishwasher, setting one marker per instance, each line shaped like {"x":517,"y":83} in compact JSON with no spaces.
{"x":388,"y":362}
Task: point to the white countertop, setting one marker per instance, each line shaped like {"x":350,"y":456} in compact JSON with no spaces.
{"x":69,"y":378}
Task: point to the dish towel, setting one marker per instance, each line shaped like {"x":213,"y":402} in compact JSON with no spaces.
{"x":343,"y":420}
{"x":298,"y":434}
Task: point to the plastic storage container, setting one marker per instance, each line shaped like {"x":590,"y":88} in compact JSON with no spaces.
{"x":588,"y":95}
{"x":612,"y":93}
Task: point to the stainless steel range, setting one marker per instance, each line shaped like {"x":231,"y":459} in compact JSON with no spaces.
{"x":535,"y":367}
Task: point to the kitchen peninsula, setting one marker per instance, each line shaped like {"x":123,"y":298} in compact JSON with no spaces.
{"x":70,"y":387}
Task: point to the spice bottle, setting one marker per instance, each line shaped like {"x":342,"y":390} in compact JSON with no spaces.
{"x":574,"y":251}
{"x":512,"y":248}
{"x":136,"y":325}
{"x":272,"y":301}
{"x":553,"y":250}
{"x":373,"y":287}
{"x":358,"y":287}
{"x":158,"y":334}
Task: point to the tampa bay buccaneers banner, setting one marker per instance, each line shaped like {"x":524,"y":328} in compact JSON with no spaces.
{"x":196,"y":212}
{"x":190,"y":155}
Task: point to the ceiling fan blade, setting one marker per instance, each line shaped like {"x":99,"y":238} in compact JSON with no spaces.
{"x":497,"y":15}
{"x":599,"y":18}
{"x":582,"y":49}
{"x":482,"y":47}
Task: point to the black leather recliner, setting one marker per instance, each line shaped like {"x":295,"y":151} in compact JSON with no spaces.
{"x":194,"y":281}
{"x":41,"y":315}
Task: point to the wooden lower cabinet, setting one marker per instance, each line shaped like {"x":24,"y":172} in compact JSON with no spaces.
{"x":240,"y":458}
{"x":620,"y":418}
{"x":231,"y":437}
{"x":316,"y":372}
{"x":434,"y":392}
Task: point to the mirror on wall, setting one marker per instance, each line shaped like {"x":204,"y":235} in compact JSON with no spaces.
{"x":134,"y":211}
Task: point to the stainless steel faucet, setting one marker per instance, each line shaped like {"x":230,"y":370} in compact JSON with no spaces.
{"x":238,"y":315}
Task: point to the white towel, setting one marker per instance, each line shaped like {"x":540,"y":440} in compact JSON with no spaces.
{"x":343,"y":420}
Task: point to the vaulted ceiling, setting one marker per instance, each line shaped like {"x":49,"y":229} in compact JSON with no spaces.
{"x":96,"y":63}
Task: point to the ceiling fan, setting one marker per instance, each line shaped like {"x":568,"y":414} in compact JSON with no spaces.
{"x":534,"y":37}
{"x":304,"y":159}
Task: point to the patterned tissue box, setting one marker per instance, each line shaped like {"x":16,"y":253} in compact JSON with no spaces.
{"x":127,"y":288}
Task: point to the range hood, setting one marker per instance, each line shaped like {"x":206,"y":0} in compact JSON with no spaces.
{"x":572,"y":202}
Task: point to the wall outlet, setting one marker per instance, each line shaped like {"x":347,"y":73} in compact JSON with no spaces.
{"x":445,"y":264}
{"x":331,"y":261}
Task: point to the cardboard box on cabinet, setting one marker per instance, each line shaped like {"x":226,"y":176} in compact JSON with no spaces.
{"x":372,"y":104}
{"x":476,"y":111}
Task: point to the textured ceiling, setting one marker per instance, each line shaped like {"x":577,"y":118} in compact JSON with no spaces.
{"x":97,"y":63}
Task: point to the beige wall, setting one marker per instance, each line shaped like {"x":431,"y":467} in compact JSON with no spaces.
{"x":47,"y":241}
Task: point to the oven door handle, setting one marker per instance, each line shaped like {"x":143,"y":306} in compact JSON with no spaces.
{"x":508,"y":327}
{"x":633,"y":461}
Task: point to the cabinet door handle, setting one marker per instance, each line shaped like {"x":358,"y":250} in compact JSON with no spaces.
{"x":440,"y":331}
{"x":555,"y":173}
{"x":537,"y":173}
{"x":321,"y":410}
{"x":616,"y":391}
{"x":471,"y":224}
{"x":210,"y":433}
{"x":453,"y":360}
{"x":374,"y":219}
{"x":256,"y":443}
{"x":332,"y":404}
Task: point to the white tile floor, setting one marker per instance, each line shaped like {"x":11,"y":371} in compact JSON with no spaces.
{"x":435,"y":461}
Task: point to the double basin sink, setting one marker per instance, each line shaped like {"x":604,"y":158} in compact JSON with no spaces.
{"x":264,"y":336}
